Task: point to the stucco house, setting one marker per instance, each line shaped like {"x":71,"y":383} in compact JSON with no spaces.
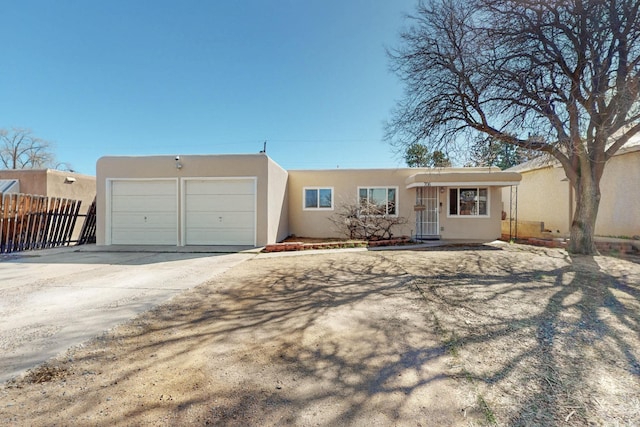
{"x":49,"y":182}
{"x":249,"y":200}
{"x":546,"y":197}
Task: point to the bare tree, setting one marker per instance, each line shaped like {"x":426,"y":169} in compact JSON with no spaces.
{"x":20,"y":149}
{"x":560,"y":77}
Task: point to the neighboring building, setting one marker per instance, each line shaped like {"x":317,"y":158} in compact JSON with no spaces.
{"x":546,"y":196}
{"x":51,"y":183}
{"x":249,"y":200}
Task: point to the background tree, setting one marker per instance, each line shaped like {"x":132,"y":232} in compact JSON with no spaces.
{"x":558,"y":77}
{"x":20,"y":149}
{"x":440,"y":159}
{"x":497,"y":153}
{"x":418,"y":156}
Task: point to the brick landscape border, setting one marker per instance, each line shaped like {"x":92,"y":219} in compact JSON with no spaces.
{"x":301,"y":246}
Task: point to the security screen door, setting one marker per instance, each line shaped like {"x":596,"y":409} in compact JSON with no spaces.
{"x":426,"y":209}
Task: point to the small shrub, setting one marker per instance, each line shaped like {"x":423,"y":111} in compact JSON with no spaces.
{"x":365,"y":221}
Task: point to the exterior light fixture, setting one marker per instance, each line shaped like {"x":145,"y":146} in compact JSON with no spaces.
{"x":178,"y":164}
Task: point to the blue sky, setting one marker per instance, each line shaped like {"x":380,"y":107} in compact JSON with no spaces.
{"x":148,"y":77}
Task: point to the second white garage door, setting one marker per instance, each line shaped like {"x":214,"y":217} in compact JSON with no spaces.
{"x":219,"y":211}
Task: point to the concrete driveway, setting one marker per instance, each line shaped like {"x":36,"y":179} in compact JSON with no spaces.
{"x":52,"y":300}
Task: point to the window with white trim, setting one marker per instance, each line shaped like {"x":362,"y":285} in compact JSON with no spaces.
{"x":382,"y":200}
{"x":466,"y":201}
{"x":318,"y":198}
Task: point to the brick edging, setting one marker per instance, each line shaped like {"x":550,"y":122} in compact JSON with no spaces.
{"x":621,"y":247}
{"x":301,"y":246}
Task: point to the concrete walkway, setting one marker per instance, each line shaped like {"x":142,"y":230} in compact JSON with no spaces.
{"x":220,"y":249}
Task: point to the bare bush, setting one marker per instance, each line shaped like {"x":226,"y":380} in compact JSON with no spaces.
{"x":365,"y":221}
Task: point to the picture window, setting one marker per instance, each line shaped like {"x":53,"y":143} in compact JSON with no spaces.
{"x":468,"y":201}
{"x":381,"y":200}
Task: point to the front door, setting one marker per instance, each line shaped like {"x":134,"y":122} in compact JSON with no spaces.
{"x":426,"y":208}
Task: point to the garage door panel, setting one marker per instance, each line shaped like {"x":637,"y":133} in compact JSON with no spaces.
{"x":226,"y":187}
{"x":229,"y":236}
{"x":144,"y":204}
{"x":143,"y":237}
{"x":221,"y":220}
{"x":148,"y":188}
{"x":222,"y":203}
{"x":132,"y":220}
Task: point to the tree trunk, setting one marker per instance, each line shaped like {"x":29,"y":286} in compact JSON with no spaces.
{"x":583,"y":225}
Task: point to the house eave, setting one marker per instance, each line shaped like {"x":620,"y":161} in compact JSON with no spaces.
{"x":459,"y":184}
{"x":457,"y":179}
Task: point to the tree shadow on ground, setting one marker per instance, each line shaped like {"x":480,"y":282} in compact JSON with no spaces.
{"x":549,"y":339}
{"x":331,"y":340}
{"x":350,"y":338}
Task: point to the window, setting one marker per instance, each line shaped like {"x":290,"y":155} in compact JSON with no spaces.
{"x":468,"y":202}
{"x":318,"y":198}
{"x":382,"y":200}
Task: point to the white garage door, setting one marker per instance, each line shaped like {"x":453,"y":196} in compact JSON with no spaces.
{"x":220,"y":212}
{"x":144,"y":212}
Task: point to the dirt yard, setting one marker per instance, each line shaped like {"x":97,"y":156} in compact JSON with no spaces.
{"x":502,"y":334}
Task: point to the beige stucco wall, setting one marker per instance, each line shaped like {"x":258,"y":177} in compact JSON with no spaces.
{"x":240,"y":165}
{"x":545,"y":195}
{"x":83,"y":188}
{"x":31,"y":181}
{"x":345,"y":183}
{"x":619,"y":212}
{"x":278,"y":203}
{"x":465,"y":227}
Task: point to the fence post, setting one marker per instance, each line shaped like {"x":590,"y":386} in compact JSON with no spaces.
{"x":3,"y":223}
{"x":88,"y":232}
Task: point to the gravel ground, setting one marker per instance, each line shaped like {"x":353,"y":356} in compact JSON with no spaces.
{"x":504,"y":334}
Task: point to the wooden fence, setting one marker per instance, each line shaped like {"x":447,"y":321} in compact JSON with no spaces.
{"x":36,"y":222}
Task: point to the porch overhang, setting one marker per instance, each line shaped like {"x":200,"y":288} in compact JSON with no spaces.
{"x":460,"y":178}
